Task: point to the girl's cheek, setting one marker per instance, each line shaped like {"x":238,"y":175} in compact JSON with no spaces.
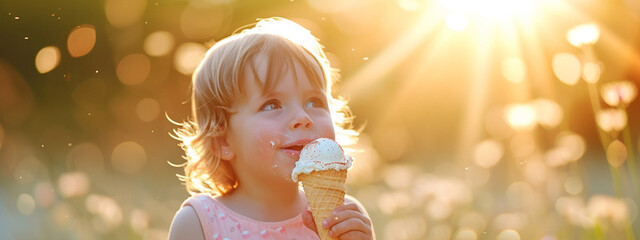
{"x":266,"y":141}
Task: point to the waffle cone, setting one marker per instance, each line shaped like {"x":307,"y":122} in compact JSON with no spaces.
{"x":324,"y":191}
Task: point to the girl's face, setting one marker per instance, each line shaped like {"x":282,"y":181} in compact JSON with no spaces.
{"x":267,"y":131}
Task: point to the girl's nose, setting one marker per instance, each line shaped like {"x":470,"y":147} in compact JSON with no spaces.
{"x":301,"y":121}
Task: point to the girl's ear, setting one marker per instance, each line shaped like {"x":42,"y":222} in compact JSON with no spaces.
{"x":225,"y":151}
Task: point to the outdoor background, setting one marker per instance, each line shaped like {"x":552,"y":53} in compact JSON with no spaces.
{"x":486,"y":119}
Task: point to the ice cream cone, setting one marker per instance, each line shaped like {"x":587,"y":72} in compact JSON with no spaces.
{"x":324,"y":191}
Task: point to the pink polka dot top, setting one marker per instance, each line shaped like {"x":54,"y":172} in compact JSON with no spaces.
{"x":221,"y":223}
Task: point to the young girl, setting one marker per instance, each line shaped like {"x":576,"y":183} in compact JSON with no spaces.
{"x":258,"y":97}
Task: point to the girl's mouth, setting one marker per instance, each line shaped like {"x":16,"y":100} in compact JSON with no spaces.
{"x":293,"y":151}
{"x":295,"y":148}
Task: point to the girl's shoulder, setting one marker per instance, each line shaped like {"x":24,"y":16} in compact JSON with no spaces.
{"x":186,"y":225}
{"x":216,"y":221}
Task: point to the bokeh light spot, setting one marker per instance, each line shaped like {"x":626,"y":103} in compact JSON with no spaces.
{"x":574,"y":145}
{"x":107,"y":210}
{"x":25,"y":204}
{"x":585,"y":34}
{"x":573,"y":185}
{"x":81,"y":40}
{"x":128,"y":157}
{"x":521,"y":116}
{"x":566,"y":66}
{"x":549,"y":113}
{"x":139,"y":220}
{"x":44,"y":194}
{"x":159,"y":43}
{"x":487,"y":153}
{"x":47,"y":59}
{"x":611,"y":120}
{"x":73,"y":184}
{"x":148,"y":109}
{"x":133,"y":69}
{"x":514,"y":69}
{"x":508,"y":234}
{"x":466,"y":234}
{"x":616,"y":153}
{"x":188,"y":56}
{"x":591,"y":72}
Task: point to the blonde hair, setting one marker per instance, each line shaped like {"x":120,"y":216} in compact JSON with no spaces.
{"x":217,"y":84}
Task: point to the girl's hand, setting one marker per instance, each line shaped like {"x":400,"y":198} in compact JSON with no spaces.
{"x":347,"y":222}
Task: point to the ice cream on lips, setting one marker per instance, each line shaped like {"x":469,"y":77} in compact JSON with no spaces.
{"x":319,"y":155}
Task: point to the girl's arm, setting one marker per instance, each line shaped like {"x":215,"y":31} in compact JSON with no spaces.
{"x":186,"y":225}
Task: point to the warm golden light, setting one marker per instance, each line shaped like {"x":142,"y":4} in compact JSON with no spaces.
{"x":409,"y":5}
{"x":133,"y":69}
{"x":619,"y":93}
{"x":124,"y":13}
{"x":473,"y":220}
{"x":607,"y":208}
{"x":581,"y":35}
{"x":456,"y":21}
{"x":574,"y":210}
{"x":611,"y":120}
{"x":73,"y":184}
{"x":466,"y":234}
{"x":81,"y":40}
{"x":139,"y":220}
{"x":439,"y":231}
{"x":200,"y":20}
{"x":573,"y":145}
{"x":147,"y":109}
{"x":188,"y":56}
{"x":159,"y":43}
{"x":521,"y":116}
{"x":514,"y":69}
{"x":523,"y":144}
{"x":566,"y":66}
{"x":488,"y":153}
{"x":496,"y":124}
{"x":494,"y":10}
{"x":573,"y":185}
{"x":548,"y":113}
{"x":508,"y":234}
{"x":591,"y":72}
{"x":47,"y":59}
{"x":128,"y":157}
{"x":616,"y":153}
{"x":536,"y":172}
{"x":106,"y":209}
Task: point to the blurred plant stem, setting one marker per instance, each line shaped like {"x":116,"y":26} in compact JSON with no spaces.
{"x":626,"y":138}
{"x":606,"y":139}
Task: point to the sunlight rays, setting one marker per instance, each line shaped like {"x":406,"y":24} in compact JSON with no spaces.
{"x":391,"y":56}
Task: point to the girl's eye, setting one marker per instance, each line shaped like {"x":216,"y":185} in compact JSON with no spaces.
{"x":314,"y":103}
{"x":270,"y":105}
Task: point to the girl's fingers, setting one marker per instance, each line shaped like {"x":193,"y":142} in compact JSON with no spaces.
{"x":307,"y":220}
{"x":348,"y":206}
{"x":354,"y":235}
{"x":350,"y":228}
{"x":339,"y":216}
